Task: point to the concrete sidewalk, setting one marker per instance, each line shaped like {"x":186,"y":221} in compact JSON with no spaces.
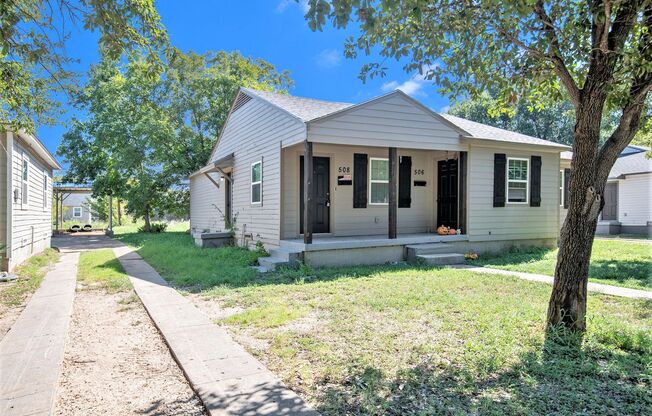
{"x":226,"y":377}
{"x":592,"y":287}
{"x":31,"y":352}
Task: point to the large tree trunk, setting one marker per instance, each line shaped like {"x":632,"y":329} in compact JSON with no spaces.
{"x":148,"y":226}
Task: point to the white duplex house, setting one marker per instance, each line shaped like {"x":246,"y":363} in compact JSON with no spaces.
{"x":340,"y":183}
{"x":26,"y":169}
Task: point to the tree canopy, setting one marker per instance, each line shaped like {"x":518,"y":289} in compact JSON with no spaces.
{"x":146,"y":133}
{"x":34,"y":66}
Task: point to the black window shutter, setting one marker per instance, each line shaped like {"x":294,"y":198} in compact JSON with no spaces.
{"x":499,"y":179}
{"x":405,"y":182}
{"x":535,"y":181}
{"x":567,"y":174}
{"x":360,"y":180}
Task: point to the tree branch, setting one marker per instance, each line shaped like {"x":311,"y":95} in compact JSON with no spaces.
{"x":555,"y":55}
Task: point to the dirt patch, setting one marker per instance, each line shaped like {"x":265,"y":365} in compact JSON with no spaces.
{"x":8,"y":316}
{"x":117,"y":363}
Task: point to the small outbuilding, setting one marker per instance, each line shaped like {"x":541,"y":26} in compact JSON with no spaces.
{"x":26,"y":169}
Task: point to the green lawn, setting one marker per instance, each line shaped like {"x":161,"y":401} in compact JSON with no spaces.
{"x":406,"y":340}
{"x":101,"y":269}
{"x":613,"y":262}
{"x":30,"y":275}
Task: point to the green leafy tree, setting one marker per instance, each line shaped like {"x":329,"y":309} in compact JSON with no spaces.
{"x":121,"y":146}
{"x":199,"y":91}
{"x":554,"y":122}
{"x":34,"y":65}
{"x":595,"y":54}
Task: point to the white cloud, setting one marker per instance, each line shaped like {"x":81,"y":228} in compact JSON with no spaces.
{"x":412,"y":86}
{"x":284,"y":4}
{"x":329,"y":58}
{"x":445,"y":109}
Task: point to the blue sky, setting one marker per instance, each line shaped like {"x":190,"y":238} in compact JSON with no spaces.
{"x":274,"y":30}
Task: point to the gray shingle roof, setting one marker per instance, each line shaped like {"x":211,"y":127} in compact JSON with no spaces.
{"x":305,"y":109}
{"x":632,"y":160}
{"x":483,"y":131}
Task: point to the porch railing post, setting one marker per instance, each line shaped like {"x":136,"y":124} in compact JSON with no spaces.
{"x":393,"y":200}
{"x":308,"y":205}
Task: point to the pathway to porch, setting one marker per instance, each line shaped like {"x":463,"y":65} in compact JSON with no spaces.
{"x":593,"y":287}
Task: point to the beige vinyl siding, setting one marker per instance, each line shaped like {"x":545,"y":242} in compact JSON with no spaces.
{"x":348,"y":221}
{"x":255,"y":132}
{"x":392,"y":121}
{"x":32,"y":222}
{"x":635,"y":200}
{"x":514,"y":221}
{"x":206,"y":202}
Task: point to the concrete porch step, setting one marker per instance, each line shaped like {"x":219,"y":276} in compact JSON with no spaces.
{"x":288,"y":254}
{"x":441,"y":259}
{"x":270,"y":263}
{"x":414,"y":250}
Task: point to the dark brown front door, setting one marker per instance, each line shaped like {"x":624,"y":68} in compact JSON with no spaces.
{"x":610,"y":210}
{"x":447,"y":193}
{"x":321,"y":195}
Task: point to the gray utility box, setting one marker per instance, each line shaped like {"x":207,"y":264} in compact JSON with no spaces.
{"x":212,"y":239}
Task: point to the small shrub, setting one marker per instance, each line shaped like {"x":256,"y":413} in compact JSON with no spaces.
{"x":155,"y":227}
{"x":260,"y":249}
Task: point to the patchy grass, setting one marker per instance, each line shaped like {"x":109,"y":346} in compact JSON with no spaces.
{"x":409,"y":340}
{"x":183,"y":264}
{"x":439,"y":341}
{"x":30,"y":275}
{"x":100,"y":269}
{"x":620,"y":263}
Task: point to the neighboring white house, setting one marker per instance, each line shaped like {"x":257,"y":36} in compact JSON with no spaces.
{"x":499,"y":188}
{"x":627,"y":195}
{"x":25,"y":197}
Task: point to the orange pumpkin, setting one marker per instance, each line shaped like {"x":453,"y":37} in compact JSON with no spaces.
{"x":452,"y":231}
{"x":442,"y":230}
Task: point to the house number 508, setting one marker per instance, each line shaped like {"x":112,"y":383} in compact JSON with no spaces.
{"x":344,"y":169}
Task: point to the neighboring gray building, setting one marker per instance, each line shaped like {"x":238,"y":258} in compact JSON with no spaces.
{"x":498,"y":187}
{"x":25,"y":197}
{"x":77,"y":208}
{"x":627,"y":195}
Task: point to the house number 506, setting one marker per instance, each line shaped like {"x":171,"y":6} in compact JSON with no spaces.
{"x":419,"y":172}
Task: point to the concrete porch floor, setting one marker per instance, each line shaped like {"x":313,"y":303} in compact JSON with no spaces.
{"x":320,"y":243}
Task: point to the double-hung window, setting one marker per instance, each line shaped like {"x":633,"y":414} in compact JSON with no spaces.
{"x":25,"y":181}
{"x":561,"y":188}
{"x":45,"y":189}
{"x":257,"y":182}
{"x":379,"y":182}
{"x":77,"y":212}
{"x":518,"y":180}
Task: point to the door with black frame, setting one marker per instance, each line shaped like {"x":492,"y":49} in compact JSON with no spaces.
{"x":321,"y":195}
{"x":447,"y":193}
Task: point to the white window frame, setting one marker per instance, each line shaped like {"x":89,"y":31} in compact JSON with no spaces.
{"x":74,"y":210}
{"x":561,"y":187}
{"x":24,"y":182}
{"x":45,"y":189}
{"x":371,"y":160}
{"x":526,"y":181}
{"x":260,"y":182}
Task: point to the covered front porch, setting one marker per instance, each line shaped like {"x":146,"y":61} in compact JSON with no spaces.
{"x":337,"y":194}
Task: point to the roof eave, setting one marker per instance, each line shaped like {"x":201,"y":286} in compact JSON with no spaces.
{"x":552,"y":145}
{"x":38,"y":148}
